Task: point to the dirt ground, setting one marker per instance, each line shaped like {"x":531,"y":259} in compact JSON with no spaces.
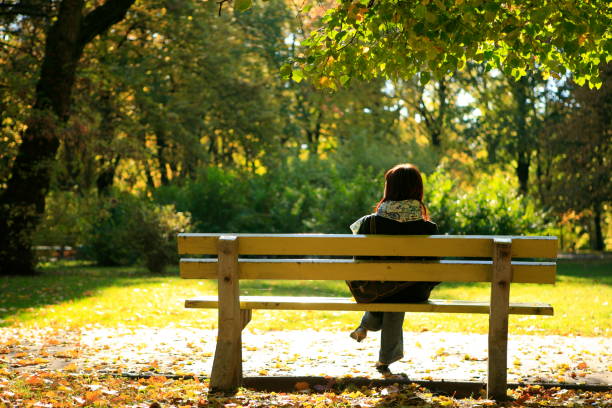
{"x":428,"y":355}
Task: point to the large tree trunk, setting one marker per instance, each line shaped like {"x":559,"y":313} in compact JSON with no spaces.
{"x":22,"y":203}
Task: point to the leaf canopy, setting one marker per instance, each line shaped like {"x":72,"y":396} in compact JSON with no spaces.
{"x":434,"y":38}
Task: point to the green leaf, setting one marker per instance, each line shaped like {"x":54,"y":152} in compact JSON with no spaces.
{"x":420,"y":11}
{"x":424,"y":78}
{"x":297,"y":75}
{"x":285,"y":71}
{"x":242,"y":5}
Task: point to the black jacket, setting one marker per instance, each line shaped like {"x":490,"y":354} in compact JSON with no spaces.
{"x":392,"y":291}
{"x":386,"y":226}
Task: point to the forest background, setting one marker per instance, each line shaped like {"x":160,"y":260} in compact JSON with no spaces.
{"x":181,"y":119}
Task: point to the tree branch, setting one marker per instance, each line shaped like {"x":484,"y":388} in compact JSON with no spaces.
{"x":220,"y":3}
{"x":102,"y":18}
{"x":15,"y":9}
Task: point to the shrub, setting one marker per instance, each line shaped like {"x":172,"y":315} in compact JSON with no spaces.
{"x":154,"y":234}
{"x":320,"y":196}
{"x":67,"y":219}
{"x":128,"y":229}
{"x":490,"y":207}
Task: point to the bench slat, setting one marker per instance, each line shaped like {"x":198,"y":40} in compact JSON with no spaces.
{"x":348,"y":304}
{"x":348,"y":269}
{"x":468,"y":246}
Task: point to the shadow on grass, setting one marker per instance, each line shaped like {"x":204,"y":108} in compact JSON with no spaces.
{"x":66,"y":283}
{"x":593,"y":271}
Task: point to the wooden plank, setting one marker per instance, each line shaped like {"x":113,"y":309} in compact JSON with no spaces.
{"x":226,"y":375}
{"x":245,"y":317}
{"x":197,"y":244}
{"x":349,"y":304}
{"x":348,"y":269}
{"x":497,"y":381}
{"x":382,"y":245}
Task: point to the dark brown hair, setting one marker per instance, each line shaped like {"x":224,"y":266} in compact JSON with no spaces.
{"x":404,"y":182}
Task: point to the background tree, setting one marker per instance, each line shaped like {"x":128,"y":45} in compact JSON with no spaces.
{"x":176,"y":108}
{"x":581,"y":144}
{"x":22,"y":202}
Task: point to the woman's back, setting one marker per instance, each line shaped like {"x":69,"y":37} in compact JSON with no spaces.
{"x":387,"y":226}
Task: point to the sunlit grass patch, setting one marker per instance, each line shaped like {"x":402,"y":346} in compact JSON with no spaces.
{"x":78,"y":296}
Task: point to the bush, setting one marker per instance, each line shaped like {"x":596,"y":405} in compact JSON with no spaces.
{"x":297,"y":197}
{"x":319,"y":196}
{"x":490,"y":207}
{"x":310,"y":196}
{"x":128,"y":229}
{"x":66,"y":220}
{"x":155,"y":230}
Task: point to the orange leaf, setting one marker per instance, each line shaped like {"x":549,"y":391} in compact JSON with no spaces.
{"x":34,"y":380}
{"x":302,"y":386}
{"x":92,"y":396}
{"x":67,"y":354}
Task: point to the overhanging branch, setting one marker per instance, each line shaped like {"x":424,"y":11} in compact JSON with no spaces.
{"x":102,"y":18}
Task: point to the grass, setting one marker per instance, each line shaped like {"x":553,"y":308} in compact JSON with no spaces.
{"x":80,"y":296}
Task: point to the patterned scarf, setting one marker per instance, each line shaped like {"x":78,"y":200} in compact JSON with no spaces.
{"x":401,"y":211}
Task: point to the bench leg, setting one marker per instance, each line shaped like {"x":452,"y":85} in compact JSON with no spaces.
{"x":245,"y":316}
{"x":226,"y":375}
{"x":227,"y":365}
{"x":497,"y":381}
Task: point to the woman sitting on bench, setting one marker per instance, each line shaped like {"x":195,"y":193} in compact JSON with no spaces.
{"x":400,"y":212}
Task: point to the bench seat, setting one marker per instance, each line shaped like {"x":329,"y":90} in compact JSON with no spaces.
{"x":349,"y":304}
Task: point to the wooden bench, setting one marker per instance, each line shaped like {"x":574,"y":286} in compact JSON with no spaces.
{"x":495,"y":262}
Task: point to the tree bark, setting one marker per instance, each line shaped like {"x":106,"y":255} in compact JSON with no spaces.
{"x":162,"y":145}
{"x":599,"y":240}
{"x":106,"y":165}
{"x":106,"y":176}
{"x":434,"y":120}
{"x":22,"y":203}
{"x":523,"y":145}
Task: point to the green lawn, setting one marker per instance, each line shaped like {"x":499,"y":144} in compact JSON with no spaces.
{"x":78,"y":296}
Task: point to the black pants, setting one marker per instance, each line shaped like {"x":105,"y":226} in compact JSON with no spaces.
{"x":391,"y":338}
{"x":419,"y":292}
